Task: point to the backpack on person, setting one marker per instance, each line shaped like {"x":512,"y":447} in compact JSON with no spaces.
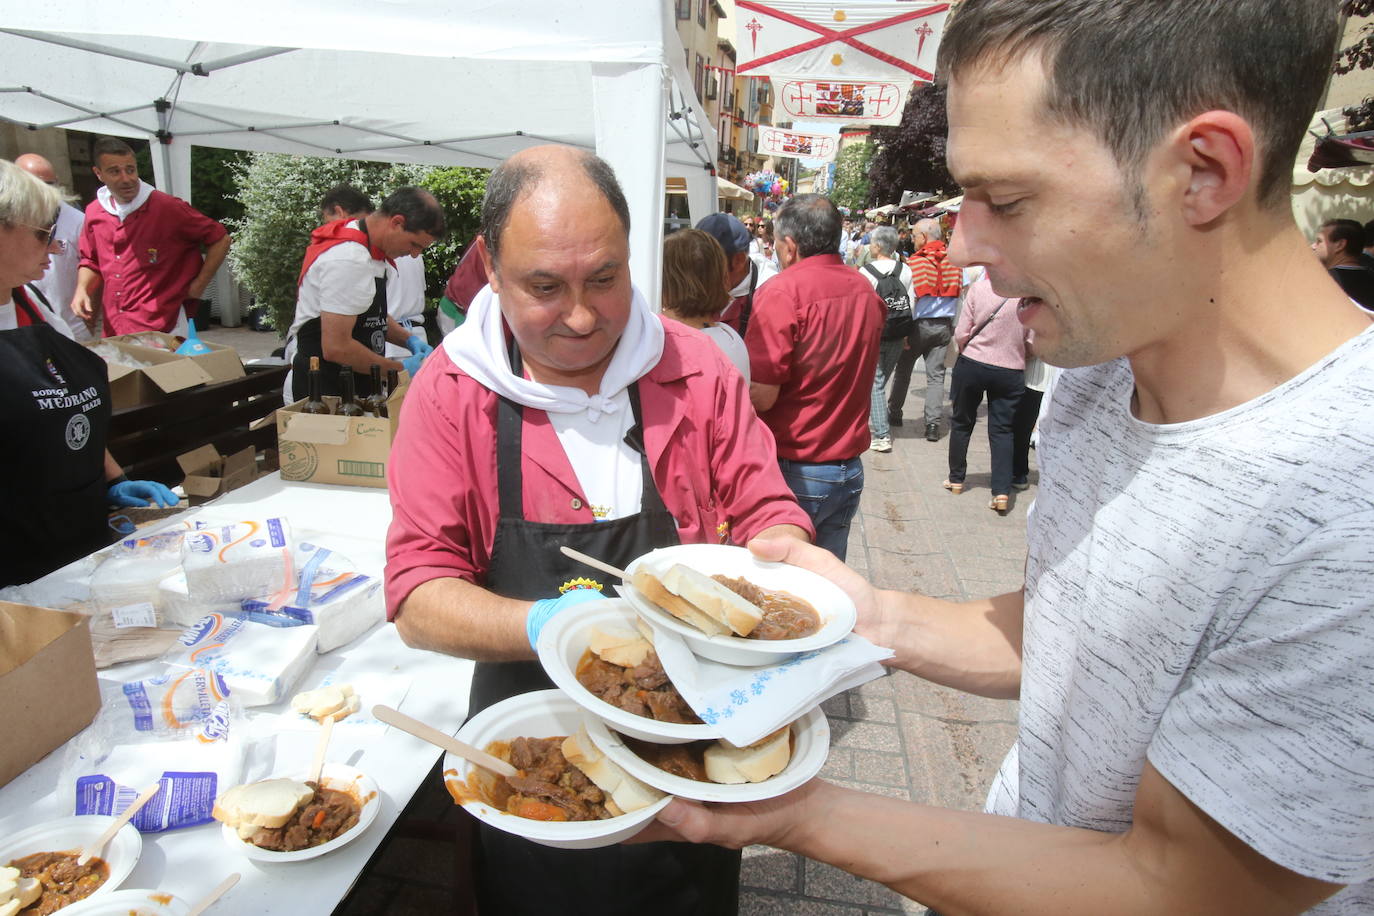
{"x":892,"y":290}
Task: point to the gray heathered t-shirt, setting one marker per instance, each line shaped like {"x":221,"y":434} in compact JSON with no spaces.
{"x":1202,"y":594}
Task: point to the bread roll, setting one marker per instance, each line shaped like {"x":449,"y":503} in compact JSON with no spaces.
{"x":619,"y":646}
{"x":334,"y":700}
{"x":732,"y":765}
{"x":266,"y":803}
{"x":651,"y":588}
{"x":713,"y":599}
{"x":16,"y":892}
{"x":624,"y":793}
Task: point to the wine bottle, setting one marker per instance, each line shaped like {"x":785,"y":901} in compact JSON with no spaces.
{"x":375,"y":403}
{"x":314,"y":403}
{"x":348,"y":403}
{"x":393,"y":378}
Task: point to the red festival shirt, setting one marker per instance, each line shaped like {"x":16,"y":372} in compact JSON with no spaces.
{"x":814,"y":333}
{"x":147,"y":261}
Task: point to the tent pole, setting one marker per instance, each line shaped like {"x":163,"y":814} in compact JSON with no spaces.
{"x":631,"y":105}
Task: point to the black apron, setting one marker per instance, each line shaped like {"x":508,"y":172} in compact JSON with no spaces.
{"x":516,"y":876}
{"x":55,"y":400}
{"x":369,"y":330}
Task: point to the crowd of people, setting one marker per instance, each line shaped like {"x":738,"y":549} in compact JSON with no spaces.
{"x":1192,"y":646}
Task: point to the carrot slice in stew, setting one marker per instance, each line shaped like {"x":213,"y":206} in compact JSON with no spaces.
{"x":540,"y":811}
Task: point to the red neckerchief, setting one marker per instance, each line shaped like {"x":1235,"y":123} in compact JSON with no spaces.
{"x":335,"y":233}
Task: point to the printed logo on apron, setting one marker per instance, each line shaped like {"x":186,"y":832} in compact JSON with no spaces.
{"x":379,"y":341}
{"x":52,"y":370}
{"x":78,"y":432}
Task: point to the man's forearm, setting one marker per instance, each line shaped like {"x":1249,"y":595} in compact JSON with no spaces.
{"x":358,"y":357}
{"x":974,"y":646}
{"x":214,"y":257}
{"x":459,"y":618}
{"x":87,"y":280}
{"x":397,"y":333}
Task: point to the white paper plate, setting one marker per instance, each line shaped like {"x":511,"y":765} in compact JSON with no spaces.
{"x":810,"y":747}
{"x":541,"y":714}
{"x":835,"y":608}
{"x":333,"y":776}
{"x":130,"y":902}
{"x":71,"y":833}
{"x":561,"y":645}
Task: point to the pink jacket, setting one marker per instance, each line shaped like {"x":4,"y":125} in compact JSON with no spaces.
{"x":1003,"y":341}
{"x":719,"y":479}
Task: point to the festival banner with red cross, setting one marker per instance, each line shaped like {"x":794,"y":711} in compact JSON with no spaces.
{"x":774,"y":141}
{"x":884,"y":42}
{"x":847,"y":101}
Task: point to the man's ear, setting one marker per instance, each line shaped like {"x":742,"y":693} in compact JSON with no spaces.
{"x":1214,"y":154}
{"x":488,"y":265}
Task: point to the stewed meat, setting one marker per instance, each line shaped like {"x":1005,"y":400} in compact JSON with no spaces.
{"x":785,"y":616}
{"x":643,"y":690}
{"x":318,"y":821}
{"x":62,"y":880}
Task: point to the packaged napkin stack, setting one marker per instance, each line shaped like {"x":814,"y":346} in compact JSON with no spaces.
{"x":239,"y":560}
{"x":260,"y":664}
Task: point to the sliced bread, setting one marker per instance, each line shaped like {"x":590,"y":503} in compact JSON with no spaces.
{"x":713,"y":599}
{"x":619,"y":645}
{"x":651,"y":588}
{"x":762,"y":760}
{"x":624,"y":793}
{"x":266,"y":803}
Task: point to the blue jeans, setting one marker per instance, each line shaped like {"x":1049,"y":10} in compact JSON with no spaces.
{"x":830,"y":495}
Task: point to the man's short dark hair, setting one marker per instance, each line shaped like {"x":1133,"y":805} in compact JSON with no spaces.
{"x":421,"y":211}
{"x":1130,"y":71}
{"x":347,"y":198}
{"x":109,"y":146}
{"x":1369,"y":234}
{"x":511,"y":179}
{"x":812,"y":221}
{"x":1344,"y":230}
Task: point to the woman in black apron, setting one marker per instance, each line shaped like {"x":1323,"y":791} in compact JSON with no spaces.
{"x":516,"y":876}
{"x":54,"y":399}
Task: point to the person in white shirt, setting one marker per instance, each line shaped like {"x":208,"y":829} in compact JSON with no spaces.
{"x":1193,"y":649}
{"x":884,"y":262}
{"x":58,"y":284}
{"x":694,"y":278}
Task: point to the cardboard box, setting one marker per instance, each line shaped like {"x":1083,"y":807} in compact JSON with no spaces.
{"x":210,"y":474}
{"x":169,"y":373}
{"x":47,"y":680}
{"x":334,"y":449}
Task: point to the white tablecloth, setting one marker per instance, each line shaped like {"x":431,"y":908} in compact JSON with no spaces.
{"x":190,"y":862}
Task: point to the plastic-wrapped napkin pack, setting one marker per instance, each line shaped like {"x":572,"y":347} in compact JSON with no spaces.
{"x":236,"y":561}
{"x":328,"y":591}
{"x":260,"y":664}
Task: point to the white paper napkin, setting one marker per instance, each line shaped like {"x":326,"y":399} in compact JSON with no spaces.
{"x":747,"y":704}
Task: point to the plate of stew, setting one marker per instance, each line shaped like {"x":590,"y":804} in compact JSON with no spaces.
{"x":49,"y":851}
{"x":130,"y":902}
{"x":803,"y":611}
{"x":640,"y":702}
{"x":345,"y":804}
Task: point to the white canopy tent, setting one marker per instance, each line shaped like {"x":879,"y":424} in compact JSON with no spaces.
{"x":444,"y":82}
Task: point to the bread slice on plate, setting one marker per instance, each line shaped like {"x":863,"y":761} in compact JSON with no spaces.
{"x":717,"y":602}
{"x":651,"y":588}
{"x":762,"y":760}
{"x":332,"y":701}
{"x":624,"y":793}
{"x":619,"y":645}
{"x":16,"y":892}
{"x":266,"y":803}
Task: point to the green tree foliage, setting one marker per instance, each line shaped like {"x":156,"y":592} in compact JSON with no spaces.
{"x":1359,"y":56}
{"x":212,"y":182}
{"x":280,"y":197}
{"x":911,"y":156}
{"x":851,"y":176}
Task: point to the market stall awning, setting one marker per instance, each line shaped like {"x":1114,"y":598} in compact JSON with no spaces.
{"x":725,"y":189}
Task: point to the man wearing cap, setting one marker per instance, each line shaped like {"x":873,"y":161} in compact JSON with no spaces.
{"x":745,"y":275}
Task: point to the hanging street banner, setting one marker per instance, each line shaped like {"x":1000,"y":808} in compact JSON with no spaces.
{"x":850,"y":102}
{"x":838,"y":40}
{"x":774,"y":141}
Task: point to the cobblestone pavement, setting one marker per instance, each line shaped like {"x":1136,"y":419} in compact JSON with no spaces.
{"x":898,"y":736}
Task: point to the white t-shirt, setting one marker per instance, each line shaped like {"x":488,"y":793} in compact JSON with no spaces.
{"x":732,"y":345}
{"x":608,"y":470}
{"x":58,"y":283}
{"x":884,"y":266}
{"x":1202,"y":594}
{"x":342,"y":281}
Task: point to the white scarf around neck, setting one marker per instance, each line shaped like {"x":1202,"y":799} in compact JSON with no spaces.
{"x":119,"y":210}
{"x":478,"y":347}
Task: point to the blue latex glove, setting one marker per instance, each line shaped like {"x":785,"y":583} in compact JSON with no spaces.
{"x":140,"y":493}
{"x":542,"y":611}
{"x":412,"y":363}
{"x":419,"y":346}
